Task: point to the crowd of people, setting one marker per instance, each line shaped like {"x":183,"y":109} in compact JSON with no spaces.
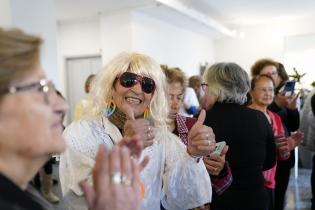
{"x":141,"y":140}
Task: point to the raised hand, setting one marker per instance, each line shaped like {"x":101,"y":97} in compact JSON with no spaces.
{"x":292,"y":101}
{"x":138,"y":127}
{"x":116,"y":183}
{"x":281,"y":100}
{"x":295,"y":139}
{"x":134,"y":144}
{"x":215,"y":163}
{"x":283,"y":147}
{"x":201,"y":139}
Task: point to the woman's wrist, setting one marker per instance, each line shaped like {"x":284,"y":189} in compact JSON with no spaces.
{"x":197,"y":158}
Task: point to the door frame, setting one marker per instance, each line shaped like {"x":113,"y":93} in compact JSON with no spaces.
{"x":67,"y":77}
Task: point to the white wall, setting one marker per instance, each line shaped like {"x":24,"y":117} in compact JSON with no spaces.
{"x":5,"y":13}
{"x":116,"y":34}
{"x":260,"y":41}
{"x":171,"y":45}
{"x":77,"y":39}
{"x":300,"y":54}
{"x":127,"y":31}
{"x":39,"y":17}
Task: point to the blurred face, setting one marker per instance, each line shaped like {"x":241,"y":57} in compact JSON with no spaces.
{"x":175,"y":98}
{"x":31,"y":120}
{"x":272,"y":71}
{"x":263,"y":93}
{"x":132,"y":98}
{"x":208,"y":100}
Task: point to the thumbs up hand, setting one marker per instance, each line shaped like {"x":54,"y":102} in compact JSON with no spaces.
{"x":138,"y":127}
{"x":201,"y":139}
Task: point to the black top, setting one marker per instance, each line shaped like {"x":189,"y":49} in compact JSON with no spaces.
{"x":251,"y":150}
{"x":13,"y":198}
{"x":313,"y":103}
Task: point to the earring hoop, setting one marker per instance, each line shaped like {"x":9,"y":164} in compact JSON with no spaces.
{"x":110,"y":108}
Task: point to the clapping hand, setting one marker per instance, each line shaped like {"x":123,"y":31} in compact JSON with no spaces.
{"x":116,"y":182}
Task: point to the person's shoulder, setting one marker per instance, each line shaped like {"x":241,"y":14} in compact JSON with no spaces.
{"x":190,"y":121}
{"x":82,"y":125}
{"x":273,"y":114}
{"x":254,"y":114}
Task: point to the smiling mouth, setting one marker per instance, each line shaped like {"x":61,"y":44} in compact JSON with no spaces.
{"x":132,"y":100}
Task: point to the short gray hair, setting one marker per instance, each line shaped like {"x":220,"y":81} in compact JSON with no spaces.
{"x":228,"y":81}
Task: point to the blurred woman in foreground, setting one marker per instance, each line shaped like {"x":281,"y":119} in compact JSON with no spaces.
{"x":31,"y":130}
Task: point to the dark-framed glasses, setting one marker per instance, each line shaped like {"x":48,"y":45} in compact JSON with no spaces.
{"x":44,"y":86}
{"x":129,"y":79}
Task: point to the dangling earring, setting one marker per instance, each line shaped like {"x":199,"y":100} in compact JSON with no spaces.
{"x":146,"y":114}
{"x":110,"y":108}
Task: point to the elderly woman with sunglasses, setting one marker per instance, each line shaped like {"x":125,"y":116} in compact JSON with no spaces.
{"x":129,"y":98}
{"x":31,"y":130}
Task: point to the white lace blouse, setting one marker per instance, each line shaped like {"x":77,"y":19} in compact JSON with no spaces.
{"x":171,"y":177}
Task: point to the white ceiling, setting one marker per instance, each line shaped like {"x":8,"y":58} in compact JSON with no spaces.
{"x":242,"y":12}
{"x":231,"y":13}
{"x":78,"y":9}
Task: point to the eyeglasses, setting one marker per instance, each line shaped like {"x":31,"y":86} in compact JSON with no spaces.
{"x":265,"y":90}
{"x":129,"y":79}
{"x":204,"y":86}
{"x":44,"y":86}
{"x":274,"y":73}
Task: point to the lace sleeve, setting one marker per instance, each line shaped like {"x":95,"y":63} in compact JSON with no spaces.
{"x":83,"y":139}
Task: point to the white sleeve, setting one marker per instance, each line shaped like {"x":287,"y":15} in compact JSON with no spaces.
{"x":186,"y":183}
{"x":83,"y":139}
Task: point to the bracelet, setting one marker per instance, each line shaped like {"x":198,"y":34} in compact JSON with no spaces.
{"x":193,"y":156}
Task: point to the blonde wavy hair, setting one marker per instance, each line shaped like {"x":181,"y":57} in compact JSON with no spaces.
{"x":102,"y":86}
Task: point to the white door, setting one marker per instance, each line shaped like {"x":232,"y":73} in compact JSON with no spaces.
{"x":77,"y":71}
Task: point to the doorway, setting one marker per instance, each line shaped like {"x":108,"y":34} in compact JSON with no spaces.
{"x":77,"y":71}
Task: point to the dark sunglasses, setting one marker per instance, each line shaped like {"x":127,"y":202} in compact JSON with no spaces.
{"x":128,"y":80}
